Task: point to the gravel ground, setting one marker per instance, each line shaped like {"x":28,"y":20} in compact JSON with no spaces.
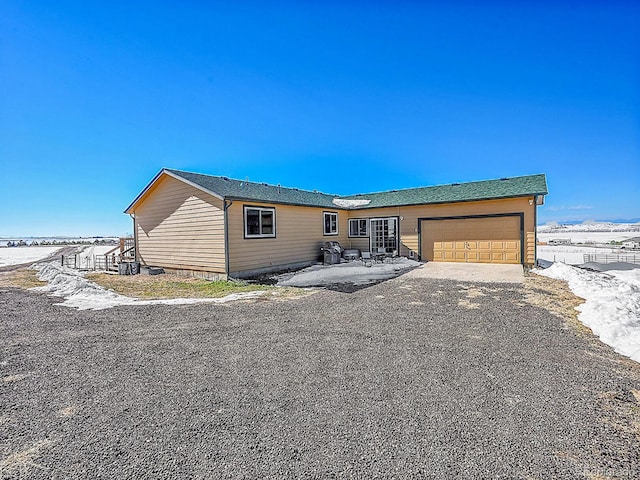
{"x":410,"y":378}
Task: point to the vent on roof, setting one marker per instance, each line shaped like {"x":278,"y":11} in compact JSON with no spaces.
{"x":278,"y":188}
{"x":265,"y":184}
{"x":226,"y":179}
{"x":504,"y":178}
{"x":455,"y":184}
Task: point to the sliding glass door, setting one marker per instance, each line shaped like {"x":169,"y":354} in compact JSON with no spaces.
{"x":384,"y":234}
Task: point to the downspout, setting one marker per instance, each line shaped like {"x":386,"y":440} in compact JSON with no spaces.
{"x":226,"y":236}
{"x":135,"y":236}
{"x":535,"y":231}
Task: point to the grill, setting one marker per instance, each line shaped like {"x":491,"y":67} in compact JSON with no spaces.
{"x":332,"y":252}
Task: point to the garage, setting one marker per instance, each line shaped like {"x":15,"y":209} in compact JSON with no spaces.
{"x":476,"y":239}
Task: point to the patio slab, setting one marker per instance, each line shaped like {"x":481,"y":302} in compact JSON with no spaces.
{"x":470,"y":272}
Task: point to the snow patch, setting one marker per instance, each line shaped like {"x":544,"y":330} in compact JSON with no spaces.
{"x":352,"y":272}
{"x":80,"y":293}
{"x":350,"y":203}
{"x":612,"y":304}
{"x":20,"y":255}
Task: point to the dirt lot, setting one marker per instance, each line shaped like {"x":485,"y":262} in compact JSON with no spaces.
{"x":409,"y":378}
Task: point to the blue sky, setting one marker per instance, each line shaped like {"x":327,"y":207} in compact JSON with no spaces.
{"x":343,"y":97}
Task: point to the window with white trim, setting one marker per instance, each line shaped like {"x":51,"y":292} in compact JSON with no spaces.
{"x":358,"y":227}
{"x":330,"y":223}
{"x":259,"y":222}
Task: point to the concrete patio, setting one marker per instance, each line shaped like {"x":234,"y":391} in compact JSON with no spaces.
{"x":470,"y":272}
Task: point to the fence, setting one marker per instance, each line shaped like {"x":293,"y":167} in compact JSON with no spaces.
{"x":90,"y":262}
{"x":611,"y":258}
{"x":109,"y":261}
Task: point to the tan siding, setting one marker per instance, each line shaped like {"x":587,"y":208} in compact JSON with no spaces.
{"x":360,"y":243}
{"x":299,"y":236}
{"x":180,"y":227}
{"x":410,"y":215}
{"x":530,"y":247}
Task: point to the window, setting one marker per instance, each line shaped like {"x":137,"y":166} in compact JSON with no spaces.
{"x":358,"y":227}
{"x":330,"y":223}
{"x":259,"y":222}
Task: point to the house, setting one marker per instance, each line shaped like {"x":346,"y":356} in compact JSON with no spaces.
{"x":560,"y":241}
{"x":631,"y":243}
{"x":217,"y":227}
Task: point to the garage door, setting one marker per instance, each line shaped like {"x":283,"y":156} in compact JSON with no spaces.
{"x":481,"y":240}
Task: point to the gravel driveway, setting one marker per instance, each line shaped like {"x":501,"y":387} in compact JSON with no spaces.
{"x":410,"y":378}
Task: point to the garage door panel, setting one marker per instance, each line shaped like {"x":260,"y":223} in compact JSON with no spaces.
{"x":484,"y":257}
{"x":485,"y":240}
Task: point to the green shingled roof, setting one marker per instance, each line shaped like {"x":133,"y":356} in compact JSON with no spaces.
{"x":256,"y":192}
{"x":457,"y":192}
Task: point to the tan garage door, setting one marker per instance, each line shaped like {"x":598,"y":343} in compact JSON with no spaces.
{"x":481,"y":240}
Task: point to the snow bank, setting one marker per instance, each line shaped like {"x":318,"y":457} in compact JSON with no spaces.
{"x":19,"y":255}
{"x":80,"y":293}
{"x":352,"y":272}
{"x":612,"y":304}
{"x":629,"y":276}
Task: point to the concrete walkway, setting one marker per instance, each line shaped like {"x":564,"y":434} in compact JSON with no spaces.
{"x":470,"y":272}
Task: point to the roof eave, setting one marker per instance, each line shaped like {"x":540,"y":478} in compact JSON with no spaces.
{"x":130,"y":209}
{"x":294,"y":204}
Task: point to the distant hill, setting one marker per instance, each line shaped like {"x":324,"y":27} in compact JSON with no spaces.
{"x":607,"y":221}
{"x":591,"y":227}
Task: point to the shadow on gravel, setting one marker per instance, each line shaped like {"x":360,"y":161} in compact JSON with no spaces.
{"x":350,"y":287}
{"x":342,"y":287}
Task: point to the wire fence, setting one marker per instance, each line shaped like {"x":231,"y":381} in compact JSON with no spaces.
{"x":611,"y":258}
